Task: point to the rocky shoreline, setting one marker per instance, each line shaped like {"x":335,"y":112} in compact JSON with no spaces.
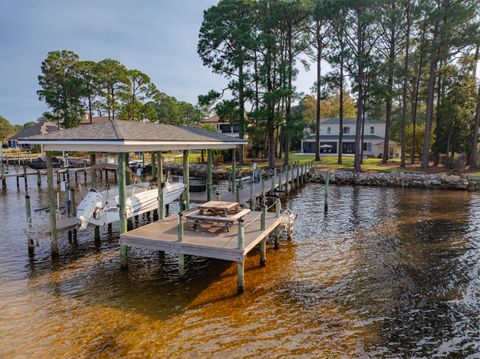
{"x":399,"y":179}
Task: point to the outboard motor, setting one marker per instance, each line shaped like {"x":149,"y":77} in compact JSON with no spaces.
{"x":87,"y":207}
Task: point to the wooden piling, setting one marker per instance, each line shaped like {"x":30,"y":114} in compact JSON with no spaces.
{"x":51,"y":206}
{"x":25,"y":177}
{"x":93,"y":171}
{"x":209,"y":174}
{"x":73,"y":207}
{"x":181,"y":256}
{"x":234,"y":169}
{"x":127,"y":166}
{"x":237,"y":194}
{"x":28,"y":213}
{"x":273,"y":179}
{"x":39,"y":179}
{"x":240,"y":264}
{"x":153,"y":162}
{"x":263,"y":243}
{"x":161,"y":187}
{"x":2,"y":174}
{"x":186,"y":178}
{"x":122,"y":209}
{"x":287,"y":177}
{"x":278,"y":208}
{"x":327,"y":184}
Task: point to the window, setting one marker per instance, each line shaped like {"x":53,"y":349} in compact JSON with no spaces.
{"x":367,"y":146}
{"x":329,"y":131}
{"x":372,"y":130}
{"x":346,"y":130}
{"x":225,"y":128}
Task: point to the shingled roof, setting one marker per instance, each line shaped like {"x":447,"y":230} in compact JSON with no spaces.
{"x":129,"y":133}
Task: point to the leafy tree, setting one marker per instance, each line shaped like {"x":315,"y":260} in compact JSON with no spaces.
{"x":61,"y":87}
{"x":112,"y":77}
{"x":6,"y":128}
{"x":137,"y":89}
{"x":89,"y":84}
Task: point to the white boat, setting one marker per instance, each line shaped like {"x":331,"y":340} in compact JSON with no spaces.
{"x":101,"y":207}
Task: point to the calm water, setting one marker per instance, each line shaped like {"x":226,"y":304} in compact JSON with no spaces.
{"x":386,"y":273}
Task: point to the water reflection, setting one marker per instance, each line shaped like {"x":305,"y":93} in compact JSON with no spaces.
{"x":385,"y":272}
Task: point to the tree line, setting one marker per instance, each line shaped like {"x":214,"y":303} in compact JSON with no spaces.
{"x":412,"y":63}
{"x":72,"y":88}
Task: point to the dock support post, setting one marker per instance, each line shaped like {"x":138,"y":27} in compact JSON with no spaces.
{"x":181,"y":256}
{"x":234,"y":169}
{"x":28,"y":213}
{"x":327,"y":185}
{"x":2,"y":174}
{"x":186,"y":179}
{"x":153,"y":161}
{"x":127,"y":167}
{"x":161,"y":187}
{"x":252,"y":197}
{"x":25,"y":175}
{"x":298,"y":176}
{"x":278,"y":207}
{"x":241,"y":263}
{"x":274,"y":175}
{"x":287,"y":178}
{"x":263,"y":189}
{"x":237,"y":194}
{"x":280,"y":180}
{"x":263,"y":243}
{"x":51,"y":205}
{"x":217,"y":196}
{"x":93,"y":184}
{"x":209,"y":174}
{"x":122,"y":209}
{"x":93,"y":171}
{"x":73,"y":206}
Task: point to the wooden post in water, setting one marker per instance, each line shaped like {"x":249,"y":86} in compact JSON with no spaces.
{"x":234,"y":169}
{"x":186,"y":179}
{"x":287,"y":177}
{"x":93,"y":171}
{"x":237,"y":194}
{"x":327,"y":184}
{"x":153,"y":162}
{"x":25,"y":177}
{"x":263,"y":188}
{"x":273,"y":180}
{"x":93,"y":184}
{"x":263,"y":243}
{"x":217,"y":196}
{"x":278,"y":208}
{"x":122,"y":210}
{"x":252,"y":197}
{"x":181,"y":256}
{"x":209,"y":174}
{"x":51,"y":205}
{"x":280,"y":179}
{"x":161,"y":187}
{"x":28,"y":213}
{"x":39,"y":179}
{"x":127,"y":167}
{"x":73,"y":206}
{"x":2,"y":174}
{"x":240,"y":264}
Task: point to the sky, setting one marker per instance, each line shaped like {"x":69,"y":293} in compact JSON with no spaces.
{"x":156,"y":37}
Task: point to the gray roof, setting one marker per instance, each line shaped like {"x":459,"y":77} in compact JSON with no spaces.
{"x":120,"y":130}
{"x":36,"y":129}
{"x":345,"y":137}
{"x":346,"y":121}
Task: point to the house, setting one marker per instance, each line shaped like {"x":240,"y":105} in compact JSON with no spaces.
{"x":227,"y":128}
{"x":373,"y":139}
{"x":37,"y":129}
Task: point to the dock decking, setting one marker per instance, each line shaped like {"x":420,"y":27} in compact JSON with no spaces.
{"x":163,"y":236}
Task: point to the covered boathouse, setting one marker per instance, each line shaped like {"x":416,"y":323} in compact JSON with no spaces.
{"x":122,"y":137}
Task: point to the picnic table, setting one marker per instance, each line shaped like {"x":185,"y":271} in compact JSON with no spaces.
{"x":217,"y":212}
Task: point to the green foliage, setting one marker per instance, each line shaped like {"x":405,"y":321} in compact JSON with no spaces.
{"x":6,"y":128}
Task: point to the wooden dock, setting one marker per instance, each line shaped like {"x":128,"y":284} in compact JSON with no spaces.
{"x":163,"y":236}
{"x":175,"y":235}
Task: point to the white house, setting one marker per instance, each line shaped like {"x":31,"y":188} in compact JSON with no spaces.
{"x":373,"y":139}
{"x":226,"y":128}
